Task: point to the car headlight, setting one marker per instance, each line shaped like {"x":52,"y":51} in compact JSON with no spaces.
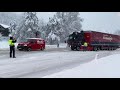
{"x":25,"y":45}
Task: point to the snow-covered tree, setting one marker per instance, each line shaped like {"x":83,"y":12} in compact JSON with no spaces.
{"x":8,"y":17}
{"x":50,"y":30}
{"x":42,"y":28}
{"x":64,"y":23}
{"x":53,"y":38}
{"x":70,"y":21}
{"x":12,"y":28}
{"x":28,"y":28}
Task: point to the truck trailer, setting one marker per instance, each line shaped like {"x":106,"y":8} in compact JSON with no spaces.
{"x":96,"y":41}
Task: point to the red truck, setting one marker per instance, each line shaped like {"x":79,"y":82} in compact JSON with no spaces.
{"x":96,"y":40}
{"x":32,"y":44}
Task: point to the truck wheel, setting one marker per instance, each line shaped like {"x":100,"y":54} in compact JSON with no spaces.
{"x":72,"y":48}
{"x":95,"y":49}
{"x":42,"y":48}
{"x":29,"y":49}
{"x":78,"y":48}
{"x":109,"y":48}
{"x":98,"y":49}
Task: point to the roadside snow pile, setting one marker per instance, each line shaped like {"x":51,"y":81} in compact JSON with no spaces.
{"x":61,"y":45}
{"x":108,"y":67}
{"x":4,"y":45}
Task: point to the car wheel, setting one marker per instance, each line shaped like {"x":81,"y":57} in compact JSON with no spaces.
{"x":20,"y":49}
{"x":29,"y":49}
{"x":42,"y":48}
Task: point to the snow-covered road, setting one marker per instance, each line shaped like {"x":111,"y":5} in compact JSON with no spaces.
{"x":36,"y":64}
{"x":41,"y":63}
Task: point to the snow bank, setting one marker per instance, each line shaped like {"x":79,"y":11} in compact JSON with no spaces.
{"x":62,"y":45}
{"x":4,"y":45}
{"x":108,"y":67}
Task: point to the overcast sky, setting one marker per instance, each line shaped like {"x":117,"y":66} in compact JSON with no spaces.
{"x":101,"y":21}
{"x":97,"y":21}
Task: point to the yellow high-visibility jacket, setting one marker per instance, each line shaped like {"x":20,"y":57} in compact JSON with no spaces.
{"x":11,"y":43}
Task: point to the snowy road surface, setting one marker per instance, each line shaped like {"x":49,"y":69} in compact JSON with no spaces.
{"x":37,"y":64}
{"x":106,"y":67}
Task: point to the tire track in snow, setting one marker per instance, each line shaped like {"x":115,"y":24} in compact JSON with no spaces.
{"x":36,"y":67}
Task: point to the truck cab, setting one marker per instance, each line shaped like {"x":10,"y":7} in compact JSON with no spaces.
{"x":75,"y":40}
{"x":32,"y":44}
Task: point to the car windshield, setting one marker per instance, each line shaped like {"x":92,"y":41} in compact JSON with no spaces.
{"x":25,"y":40}
{"x":31,"y":40}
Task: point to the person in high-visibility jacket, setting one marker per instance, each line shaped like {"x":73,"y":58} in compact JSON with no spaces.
{"x":85,"y":46}
{"x":12,"y":47}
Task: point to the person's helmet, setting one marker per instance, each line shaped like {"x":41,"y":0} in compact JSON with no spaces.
{"x":10,"y":35}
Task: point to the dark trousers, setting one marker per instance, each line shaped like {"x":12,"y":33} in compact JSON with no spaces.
{"x":84,"y":48}
{"x":12,"y":51}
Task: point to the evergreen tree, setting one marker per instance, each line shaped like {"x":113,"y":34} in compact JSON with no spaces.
{"x":8,"y":17}
{"x":64,"y":23}
{"x":28,"y":28}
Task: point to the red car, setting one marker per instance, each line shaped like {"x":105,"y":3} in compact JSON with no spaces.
{"x":32,"y":44}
